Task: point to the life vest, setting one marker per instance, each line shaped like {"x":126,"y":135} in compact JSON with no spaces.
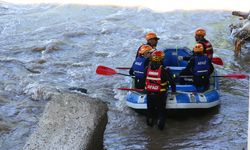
{"x":201,"y":65}
{"x":153,"y":81}
{"x":208,"y":49}
{"x":139,"y":67}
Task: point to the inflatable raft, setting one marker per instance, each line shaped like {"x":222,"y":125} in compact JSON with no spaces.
{"x":187,"y":96}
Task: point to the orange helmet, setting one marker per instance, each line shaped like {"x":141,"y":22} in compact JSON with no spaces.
{"x":151,"y":35}
{"x":144,"y":49}
{"x":157,"y":55}
{"x":200,"y":32}
{"x":198,"y":48}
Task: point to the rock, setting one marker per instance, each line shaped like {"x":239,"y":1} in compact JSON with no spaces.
{"x":241,"y":31}
{"x":38,"y":49}
{"x":70,"y":121}
{"x":4,"y":127}
{"x":3,"y":100}
{"x":41,"y":61}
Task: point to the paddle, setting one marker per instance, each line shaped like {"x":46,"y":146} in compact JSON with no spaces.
{"x":103,"y":70}
{"x":131,"y":89}
{"x":123,"y":68}
{"x":217,"y":61}
{"x":235,"y":76}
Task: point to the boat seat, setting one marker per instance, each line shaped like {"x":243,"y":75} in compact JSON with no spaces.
{"x":175,"y":71}
{"x":175,"y":68}
{"x":186,"y":88}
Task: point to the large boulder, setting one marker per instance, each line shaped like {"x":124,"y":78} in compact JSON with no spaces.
{"x":70,"y":122}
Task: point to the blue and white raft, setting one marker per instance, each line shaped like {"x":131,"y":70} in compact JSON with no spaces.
{"x":187,"y":96}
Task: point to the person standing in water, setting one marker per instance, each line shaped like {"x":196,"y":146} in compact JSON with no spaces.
{"x":157,"y":80}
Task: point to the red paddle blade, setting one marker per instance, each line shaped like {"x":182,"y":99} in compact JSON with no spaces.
{"x":102,"y":70}
{"x":131,"y":89}
{"x":217,"y":61}
{"x":236,"y":76}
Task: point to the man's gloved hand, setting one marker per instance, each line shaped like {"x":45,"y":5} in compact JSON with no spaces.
{"x":180,"y":58}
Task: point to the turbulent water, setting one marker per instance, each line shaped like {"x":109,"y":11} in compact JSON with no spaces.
{"x":47,"y":48}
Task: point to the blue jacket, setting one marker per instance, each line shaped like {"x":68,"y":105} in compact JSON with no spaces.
{"x":139,"y":66}
{"x":201,"y":65}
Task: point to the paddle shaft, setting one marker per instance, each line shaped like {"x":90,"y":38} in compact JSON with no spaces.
{"x":124,"y":74}
{"x":236,"y":76}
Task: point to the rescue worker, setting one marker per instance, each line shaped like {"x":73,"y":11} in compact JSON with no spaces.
{"x":200,"y":68}
{"x":139,"y":65}
{"x":152,"y":40}
{"x":157,"y":80}
{"x":200,"y":34}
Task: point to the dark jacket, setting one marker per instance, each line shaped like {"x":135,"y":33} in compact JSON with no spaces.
{"x":132,"y":69}
{"x":199,"y":80}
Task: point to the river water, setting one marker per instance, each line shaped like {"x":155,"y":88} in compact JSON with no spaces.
{"x":51,"y":47}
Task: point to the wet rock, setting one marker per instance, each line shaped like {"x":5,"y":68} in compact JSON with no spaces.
{"x":70,"y":121}
{"x":3,"y":100}
{"x":52,"y":47}
{"x":4,"y":126}
{"x":82,"y":90}
{"x":41,"y":61}
{"x":73,"y":34}
{"x":39,"y":49}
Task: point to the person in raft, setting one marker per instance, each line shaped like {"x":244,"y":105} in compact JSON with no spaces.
{"x":200,"y":34}
{"x":200,"y":68}
{"x":152,"y":40}
{"x":139,"y":65}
